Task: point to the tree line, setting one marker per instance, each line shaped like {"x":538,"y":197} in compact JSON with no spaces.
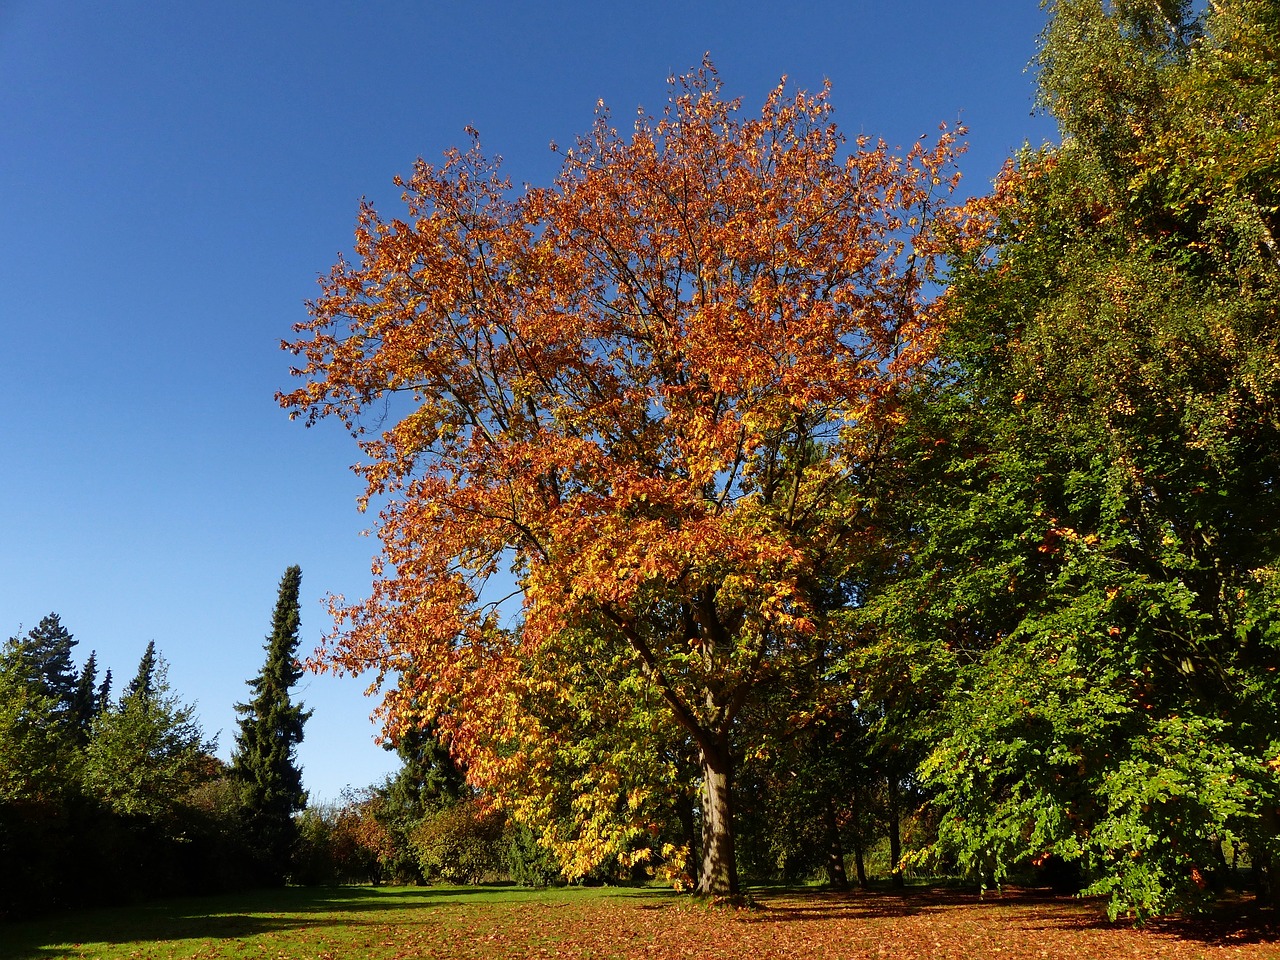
{"x":841,"y":510}
{"x":107,"y":798}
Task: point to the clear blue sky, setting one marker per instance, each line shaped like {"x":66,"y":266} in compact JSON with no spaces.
{"x":173,"y":178}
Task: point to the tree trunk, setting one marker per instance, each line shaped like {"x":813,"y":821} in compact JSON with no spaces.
{"x":895,"y":832}
{"x":835,"y":850}
{"x":719,"y":873}
{"x":1266,"y":870}
{"x":859,"y":863}
{"x":688,"y":834}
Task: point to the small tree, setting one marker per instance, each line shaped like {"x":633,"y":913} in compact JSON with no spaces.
{"x":270,"y":731}
{"x":147,"y":752}
{"x":85,"y":703}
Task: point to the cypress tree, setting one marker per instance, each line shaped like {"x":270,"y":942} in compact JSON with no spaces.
{"x":270,"y":729}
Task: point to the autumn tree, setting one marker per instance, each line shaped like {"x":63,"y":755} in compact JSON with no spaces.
{"x":264,"y":760}
{"x":646,"y":390}
{"x":1090,"y":563}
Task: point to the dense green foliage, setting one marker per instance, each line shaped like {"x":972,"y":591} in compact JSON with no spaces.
{"x":1087,"y":569}
{"x":146,"y":752}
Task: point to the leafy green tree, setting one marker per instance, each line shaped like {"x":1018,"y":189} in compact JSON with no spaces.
{"x":146,"y":753}
{"x":37,"y":758}
{"x":1091,"y":561}
{"x":270,"y":731}
{"x":461,"y":843}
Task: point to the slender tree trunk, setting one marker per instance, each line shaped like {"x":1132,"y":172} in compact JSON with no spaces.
{"x":895,"y":832}
{"x":1266,"y":870}
{"x":719,"y":873}
{"x":835,"y":850}
{"x":859,"y":863}
{"x":688,"y":834}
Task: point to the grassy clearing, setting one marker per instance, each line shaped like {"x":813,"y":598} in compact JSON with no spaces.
{"x":468,"y":922}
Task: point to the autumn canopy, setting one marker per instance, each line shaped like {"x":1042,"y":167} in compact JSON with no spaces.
{"x":646,"y":395}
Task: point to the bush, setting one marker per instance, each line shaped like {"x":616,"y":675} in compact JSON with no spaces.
{"x":462,"y":843}
{"x":337,"y":844}
{"x":528,"y":862}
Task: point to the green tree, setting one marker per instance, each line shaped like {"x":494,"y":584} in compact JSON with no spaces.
{"x":427,"y":781}
{"x":271,"y":725}
{"x":142,"y":684}
{"x":146,"y":753}
{"x":85,"y":703}
{"x":44,"y":655}
{"x":1091,"y":559}
{"x":38,"y":760}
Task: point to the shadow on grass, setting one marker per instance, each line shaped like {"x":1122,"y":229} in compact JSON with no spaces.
{"x":235,"y":916}
{"x":1237,"y":923}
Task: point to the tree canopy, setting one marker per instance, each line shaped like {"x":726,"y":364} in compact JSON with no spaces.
{"x":644,"y":390}
{"x":1091,"y":561}
{"x":801,"y":474}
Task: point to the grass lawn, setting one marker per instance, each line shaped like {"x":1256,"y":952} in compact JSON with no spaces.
{"x":360,"y":923}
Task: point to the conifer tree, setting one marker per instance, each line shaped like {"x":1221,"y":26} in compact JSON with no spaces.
{"x":104,"y":691}
{"x":270,"y":730}
{"x":85,"y":704}
{"x":43,"y":656}
{"x":143,"y":682}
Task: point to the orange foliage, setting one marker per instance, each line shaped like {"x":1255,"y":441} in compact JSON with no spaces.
{"x":649,"y":391}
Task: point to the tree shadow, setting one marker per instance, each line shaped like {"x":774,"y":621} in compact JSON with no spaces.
{"x":808,"y":904}
{"x":226,"y":917}
{"x":1235,"y":923}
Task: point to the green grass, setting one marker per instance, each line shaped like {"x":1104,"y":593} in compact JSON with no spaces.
{"x":339,"y":922}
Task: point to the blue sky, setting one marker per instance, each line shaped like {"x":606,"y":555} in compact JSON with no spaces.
{"x":174,"y":177}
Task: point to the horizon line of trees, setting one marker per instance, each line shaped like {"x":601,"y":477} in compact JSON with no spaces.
{"x":127,"y":785}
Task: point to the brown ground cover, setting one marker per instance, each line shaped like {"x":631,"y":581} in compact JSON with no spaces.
{"x":919,"y":924}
